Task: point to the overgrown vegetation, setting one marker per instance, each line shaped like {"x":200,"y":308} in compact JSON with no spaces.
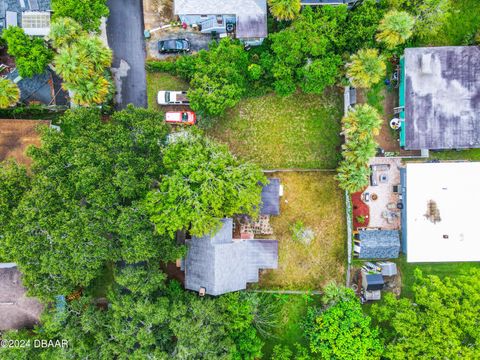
{"x":87,"y":13}
{"x":31,"y":54}
{"x":440,"y":320}
{"x":360,"y":126}
{"x":9,"y":93}
{"x":83,"y":62}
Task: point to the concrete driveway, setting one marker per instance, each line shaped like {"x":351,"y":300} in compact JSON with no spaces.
{"x":197,"y":40}
{"x":125,"y":38}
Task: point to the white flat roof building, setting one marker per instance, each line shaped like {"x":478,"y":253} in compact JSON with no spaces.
{"x":442,"y":207}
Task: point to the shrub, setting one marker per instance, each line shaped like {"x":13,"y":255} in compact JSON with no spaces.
{"x":87,"y":13}
{"x":9,"y":93}
{"x":31,"y":54}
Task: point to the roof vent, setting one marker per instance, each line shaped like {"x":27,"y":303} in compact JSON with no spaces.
{"x":426,"y":63}
{"x":445,"y":236}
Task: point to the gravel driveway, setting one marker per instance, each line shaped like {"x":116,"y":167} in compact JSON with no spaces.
{"x":125,"y":38}
{"x":197,"y":40}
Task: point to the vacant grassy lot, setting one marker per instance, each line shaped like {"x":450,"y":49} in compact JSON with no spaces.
{"x":161,"y":81}
{"x":314,"y":199}
{"x":300,"y":131}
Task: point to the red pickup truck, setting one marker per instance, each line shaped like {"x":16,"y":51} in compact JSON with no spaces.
{"x":181,"y":117}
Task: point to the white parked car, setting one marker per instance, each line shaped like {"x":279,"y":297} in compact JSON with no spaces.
{"x":168,"y":97}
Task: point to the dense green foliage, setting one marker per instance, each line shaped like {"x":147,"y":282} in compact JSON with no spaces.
{"x":366,"y":68}
{"x":84,"y":200}
{"x":31,"y":53}
{"x":284,"y":9}
{"x":395,"y":28}
{"x":441,"y":321}
{"x":83,"y":62}
{"x":309,"y":52}
{"x":146,"y":319}
{"x":87,"y":13}
{"x":340,"y":330}
{"x":430,"y":15}
{"x":203,"y":182}
{"x":9,"y":93}
{"x":360,"y":126}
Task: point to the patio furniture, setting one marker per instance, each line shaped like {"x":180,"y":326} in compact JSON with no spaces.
{"x":392,"y":206}
{"x":383,"y":178}
{"x":374,"y":197}
{"x":366,"y":197}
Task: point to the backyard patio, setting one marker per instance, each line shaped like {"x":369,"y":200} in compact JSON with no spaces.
{"x":382,"y":195}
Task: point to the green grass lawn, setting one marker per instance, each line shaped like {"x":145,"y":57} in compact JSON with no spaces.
{"x":471,"y":154}
{"x":299,"y":131}
{"x":161,"y":81}
{"x":440,"y":269}
{"x":461,"y":26}
{"x":314,"y":199}
{"x":289,"y":330}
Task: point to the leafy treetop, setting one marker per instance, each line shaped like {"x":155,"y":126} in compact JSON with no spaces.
{"x":202,"y":183}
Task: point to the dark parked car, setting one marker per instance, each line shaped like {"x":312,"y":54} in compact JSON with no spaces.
{"x":174,"y":46}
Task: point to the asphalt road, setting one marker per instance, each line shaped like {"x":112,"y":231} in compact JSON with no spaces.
{"x":125,"y":38}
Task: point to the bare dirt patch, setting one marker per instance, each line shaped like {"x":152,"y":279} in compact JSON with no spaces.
{"x":16,"y":136}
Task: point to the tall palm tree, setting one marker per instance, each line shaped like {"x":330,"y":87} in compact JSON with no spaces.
{"x":362,"y":122}
{"x":366,"y":68}
{"x":93,"y":91}
{"x":351,"y":177}
{"x":72,"y":65}
{"x":95,"y":52}
{"x":284,"y":9}
{"x":9,"y":93}
{"x":395,"y":28}
{"x":64,"y":31}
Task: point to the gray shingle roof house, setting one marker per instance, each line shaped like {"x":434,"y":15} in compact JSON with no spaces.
{"x":246,"y":18}
{"x":45,"y":88}
{"x":17,"y":311}
{"x":271,"y":198}
{"x":31,"y":15}
{"x":220,"y":264}
{"x":441,"y":89}
{"x":379,"y":244}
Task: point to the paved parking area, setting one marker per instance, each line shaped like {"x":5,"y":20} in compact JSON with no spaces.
{"x":198,"y":40}
{"x":125,"y":38}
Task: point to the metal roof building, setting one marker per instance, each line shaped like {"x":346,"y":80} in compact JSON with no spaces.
{"x":17,"y":311}
{"x":440,"y":98}
{"x":249,"y":16}
{"x":220,"y":264}
{"x":379,"y":244}
{"x":441,"y":212}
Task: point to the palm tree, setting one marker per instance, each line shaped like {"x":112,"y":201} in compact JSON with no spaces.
{"x":72,"y":65}
{"x":366,"y":68}
{"x":95,"y":52}
{"x":284,"y":9}
{"x":64,"y":31}
{"x":395,"y":28}
{"x":362,"y":122}
{"x":351,"y":177}
{"x":9,"y":93}
{"x":89,"y":92}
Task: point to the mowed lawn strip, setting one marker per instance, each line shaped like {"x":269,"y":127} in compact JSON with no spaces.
{"x":314,"y":199}
{"x":161,"y":81}
{"x":299,"y":131}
